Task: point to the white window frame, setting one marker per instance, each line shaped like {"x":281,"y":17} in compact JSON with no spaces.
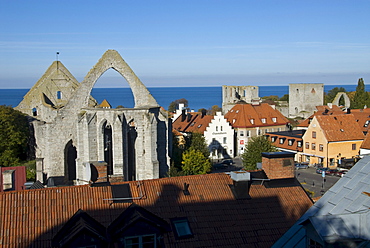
{"x":140,"y":243}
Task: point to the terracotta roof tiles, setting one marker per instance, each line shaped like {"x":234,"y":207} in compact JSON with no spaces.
{"x":217,"y":219}
{"x":340,"y":127}
{"x":192,"y":122}
{"x":249,"y":115}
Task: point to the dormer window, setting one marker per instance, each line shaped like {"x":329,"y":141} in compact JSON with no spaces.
{"x":140,"y":241}
{"x":181,"y":228}
{"x":199,"y":125}
{"x":252,"y":121}
{"x":274,"y":119}
{"x":237,"y":111}
{"x":299,"y":143}
{"x":290,"y":142}
{"x":281,"y":140}
{"x":263,"y":120}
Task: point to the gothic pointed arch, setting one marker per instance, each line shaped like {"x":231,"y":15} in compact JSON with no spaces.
{"x":347,"y":102}
{"x":111,"y":59}
{"x":70,"y":155}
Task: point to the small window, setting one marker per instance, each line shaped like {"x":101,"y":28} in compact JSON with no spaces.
{"x":248,"y":133}
{"x":367,"y":123}
{"x":263,"y":120}
{"x":274,"y":119}
{"x":59,"y":95}
{"x":252,"y":121}
{"x":181,"y":228}
{"x":314,"y":134}
{"x":225,"y":140}
{"x":281,"y":140}
{"x":307,"y":145}
{"x":273,"y":139}
{"x":241,"y":133}
{"x":237,"y":111}
{"x":199,"y":125}
{"x":299,"y":143}
{"x":313,"y":146}
{"x":321,"y":147}
{"x":221,"y":128}
{"x":216,"y":128}
{"x":290,"y":142}
{"x":353,"y":147}
{"x":34,"y":112}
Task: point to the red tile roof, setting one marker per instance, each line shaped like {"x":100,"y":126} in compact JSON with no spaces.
{"x":340,"y":127}
{"x":34,"y":217}
{"x":240,"y":116}
{"x":322,"y":110}
{"x":192,"y":122}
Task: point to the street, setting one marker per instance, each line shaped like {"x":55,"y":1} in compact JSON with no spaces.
{"x":308,"y":178}
{"x":314,"y":182}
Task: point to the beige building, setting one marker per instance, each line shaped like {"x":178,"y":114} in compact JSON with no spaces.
{"x":330,"y":139}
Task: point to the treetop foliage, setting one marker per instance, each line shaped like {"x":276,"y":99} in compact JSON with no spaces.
{"x":175,"y":104}
{"x":253,"y":149}
{"x":195,"y":163}
{"x":14,"y":136}
{"x":361,"y":97}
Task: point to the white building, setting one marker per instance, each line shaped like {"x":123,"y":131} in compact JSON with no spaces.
{"x":220,"y":136}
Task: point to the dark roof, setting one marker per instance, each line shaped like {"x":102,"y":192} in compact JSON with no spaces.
{"x":290,"y":133}
{"x":215,"y":217}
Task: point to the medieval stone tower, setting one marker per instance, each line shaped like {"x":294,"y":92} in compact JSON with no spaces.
{"x":73,"y":134}
{"x":232,"y":94}
{"x":303,"y":99}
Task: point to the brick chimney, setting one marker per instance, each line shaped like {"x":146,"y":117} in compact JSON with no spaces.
{"x":278,"y":165}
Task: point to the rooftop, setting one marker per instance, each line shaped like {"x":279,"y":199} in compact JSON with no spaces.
{"x":216,"y":218}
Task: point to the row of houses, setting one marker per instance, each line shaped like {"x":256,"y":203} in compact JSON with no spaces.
{"x":330,"y":137}
{"x":227,"y":135}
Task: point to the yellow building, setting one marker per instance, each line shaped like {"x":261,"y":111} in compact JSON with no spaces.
{"x":331,"y":138}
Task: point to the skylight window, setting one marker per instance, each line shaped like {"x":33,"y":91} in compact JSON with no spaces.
{"x":181,"y":228}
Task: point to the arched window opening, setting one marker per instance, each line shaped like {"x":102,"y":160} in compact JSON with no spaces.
{"x":34,"y":112}
{"x":108,"y":147}
{"x":121,"y":97}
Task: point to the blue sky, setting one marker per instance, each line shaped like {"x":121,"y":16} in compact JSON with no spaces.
{"x":189,"y":43}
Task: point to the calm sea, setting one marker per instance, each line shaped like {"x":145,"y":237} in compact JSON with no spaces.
{"x":198,"y":97}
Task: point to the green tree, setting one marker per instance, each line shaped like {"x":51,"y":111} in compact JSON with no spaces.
{"x":14,"y":136}
{"x":195,"y":163}
{"x":198,"y":142}
{"x":284,"y":98}
{"x":253,"y":149}
{"x":214,"y":110}
{"x":329,"y":97}
{"x":175,"y":104}
{"x":361,"y":97}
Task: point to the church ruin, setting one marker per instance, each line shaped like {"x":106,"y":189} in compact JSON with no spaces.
{"x":75,"y":138}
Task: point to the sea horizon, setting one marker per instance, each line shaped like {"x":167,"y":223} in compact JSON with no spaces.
{"x":198,"y":97}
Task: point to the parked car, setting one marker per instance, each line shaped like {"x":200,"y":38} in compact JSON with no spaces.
{"x":341,"y":173}
{"x":227,"y":162}
{"x":319,"y":170}
{"x":218,"y":166}
{"x":331,"y":172}
{"x":301,"y":166}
